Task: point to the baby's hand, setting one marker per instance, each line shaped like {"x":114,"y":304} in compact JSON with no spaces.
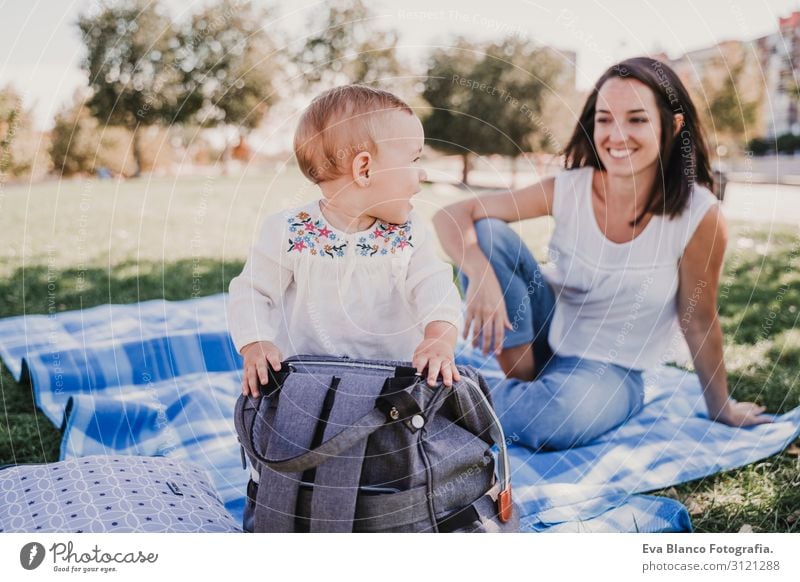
{"x":256,"y":356}
{"x":437,"y":354}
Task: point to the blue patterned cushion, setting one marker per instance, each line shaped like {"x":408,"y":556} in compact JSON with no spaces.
{"x":104,"y":493}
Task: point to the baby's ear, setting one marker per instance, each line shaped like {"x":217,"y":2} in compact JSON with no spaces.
{"x":361,"y":168}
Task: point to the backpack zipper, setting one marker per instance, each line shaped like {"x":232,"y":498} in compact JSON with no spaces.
{"x":353,"y":364}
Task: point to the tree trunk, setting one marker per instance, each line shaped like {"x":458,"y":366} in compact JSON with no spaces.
{"x":514,"y":172}
{"x":226,"y":151}
{"x":137,"y":152}
{"x":465,"y":169}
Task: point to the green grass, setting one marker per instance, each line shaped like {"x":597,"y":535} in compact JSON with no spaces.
{"x":759,"y":303}
{"x":73,"y":245}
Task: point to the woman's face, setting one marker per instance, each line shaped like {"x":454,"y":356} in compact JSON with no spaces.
{"x":627,"y":127}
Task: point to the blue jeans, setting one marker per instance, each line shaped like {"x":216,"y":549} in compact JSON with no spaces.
{"x":572,"y":400}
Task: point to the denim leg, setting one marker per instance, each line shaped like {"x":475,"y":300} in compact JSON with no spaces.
{"x":572,"y":402}
{"x":528,"y":297}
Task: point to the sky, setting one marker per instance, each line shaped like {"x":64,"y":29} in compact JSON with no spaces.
{"x":41,"y":51}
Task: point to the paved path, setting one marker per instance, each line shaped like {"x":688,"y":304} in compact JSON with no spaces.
{"x":764,"y":203}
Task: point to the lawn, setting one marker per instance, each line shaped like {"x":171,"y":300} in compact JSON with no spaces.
{"x":75,"y":244}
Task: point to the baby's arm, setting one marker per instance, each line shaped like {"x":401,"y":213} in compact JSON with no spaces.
{"x":252,"y":296}
{"x":435,"y":299}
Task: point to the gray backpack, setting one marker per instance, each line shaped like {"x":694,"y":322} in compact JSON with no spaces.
{"x":340,"y":445}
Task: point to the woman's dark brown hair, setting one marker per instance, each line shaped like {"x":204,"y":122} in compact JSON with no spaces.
{"x":683,"y":157}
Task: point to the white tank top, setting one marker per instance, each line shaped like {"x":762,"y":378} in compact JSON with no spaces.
{"x":615,"y":302}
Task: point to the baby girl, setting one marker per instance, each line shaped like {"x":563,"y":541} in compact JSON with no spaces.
{"x":354,"y":273}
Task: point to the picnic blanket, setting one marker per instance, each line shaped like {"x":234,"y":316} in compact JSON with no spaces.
{"x":160,"y":378}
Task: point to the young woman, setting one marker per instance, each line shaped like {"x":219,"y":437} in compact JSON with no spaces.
{"x":636,"y":252}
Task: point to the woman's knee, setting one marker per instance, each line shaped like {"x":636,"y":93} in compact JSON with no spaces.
{"x":565,"y":409}
{"x":532,"y":413}
{"x":592,"y":407}
{"x":561,"y":426}
{"x":497,"y":239}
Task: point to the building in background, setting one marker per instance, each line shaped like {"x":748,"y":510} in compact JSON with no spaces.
{"x":760,"y":76}
{"x":778,"y":52}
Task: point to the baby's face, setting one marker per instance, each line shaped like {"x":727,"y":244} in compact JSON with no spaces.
{"x":395,"y":174}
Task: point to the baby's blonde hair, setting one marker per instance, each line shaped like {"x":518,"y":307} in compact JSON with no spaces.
{"x":337,"y":125}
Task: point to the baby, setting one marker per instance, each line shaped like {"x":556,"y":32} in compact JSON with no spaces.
{"x":354,"y":273}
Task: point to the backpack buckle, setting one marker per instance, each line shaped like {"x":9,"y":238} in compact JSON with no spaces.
{"x":401,"y":406}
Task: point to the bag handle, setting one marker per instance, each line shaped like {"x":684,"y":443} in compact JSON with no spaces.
{"x":504,"y":505}
{"x":339,"y":443}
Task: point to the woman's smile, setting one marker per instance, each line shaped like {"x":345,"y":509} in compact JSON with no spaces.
{"x":621,"y":154}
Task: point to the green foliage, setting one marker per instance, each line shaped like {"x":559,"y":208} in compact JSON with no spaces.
{"x":230,"y":63}
{"x":347,"y":46}
{"x":451,"y":127}
{"x":131,"y":64}
{"x":13,"y":120}
{"x":731,"y":113}
{"x":759,"y":146}
{"x":787,"y":143}
{"x":78,"y":145}
{"x":489,"y":99}
{"x":9,"y":114}
{"x":216,"y":68}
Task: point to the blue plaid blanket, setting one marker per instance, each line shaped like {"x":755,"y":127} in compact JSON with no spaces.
{"x":161,"y":378}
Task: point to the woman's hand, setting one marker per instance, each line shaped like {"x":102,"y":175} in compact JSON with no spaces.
{"x":256,"y":357}
{"x":735,"y":413}
{"x":486,"y":312}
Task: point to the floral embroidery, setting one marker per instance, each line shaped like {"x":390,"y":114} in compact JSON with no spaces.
{"x":308,"y":234}
{"x":386,"y":238}
{"x":318,"y":239}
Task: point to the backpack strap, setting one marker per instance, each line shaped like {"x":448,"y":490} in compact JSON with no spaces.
{"x":335,"y":493}
{"x":292,"y":431}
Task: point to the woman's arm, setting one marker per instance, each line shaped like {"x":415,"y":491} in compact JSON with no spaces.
{"x":454,"y":225}
{"x":700,"y":270}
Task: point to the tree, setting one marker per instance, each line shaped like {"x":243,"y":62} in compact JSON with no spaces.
{"x":10,"y":106}
{"x":230,"y":64}
{"x":524,"y":74}
{"x":347,"y":47}
{"x":488,"y":100}
{"x":728,"y":95}
{"x":132,"y":67}
{"x":733,"y":115}
{"x":75,"y":139}
{"x":15,"y":130}
{"x":450,"y":127}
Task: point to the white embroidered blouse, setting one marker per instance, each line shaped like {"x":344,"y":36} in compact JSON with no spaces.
{"x":312,"y":289}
